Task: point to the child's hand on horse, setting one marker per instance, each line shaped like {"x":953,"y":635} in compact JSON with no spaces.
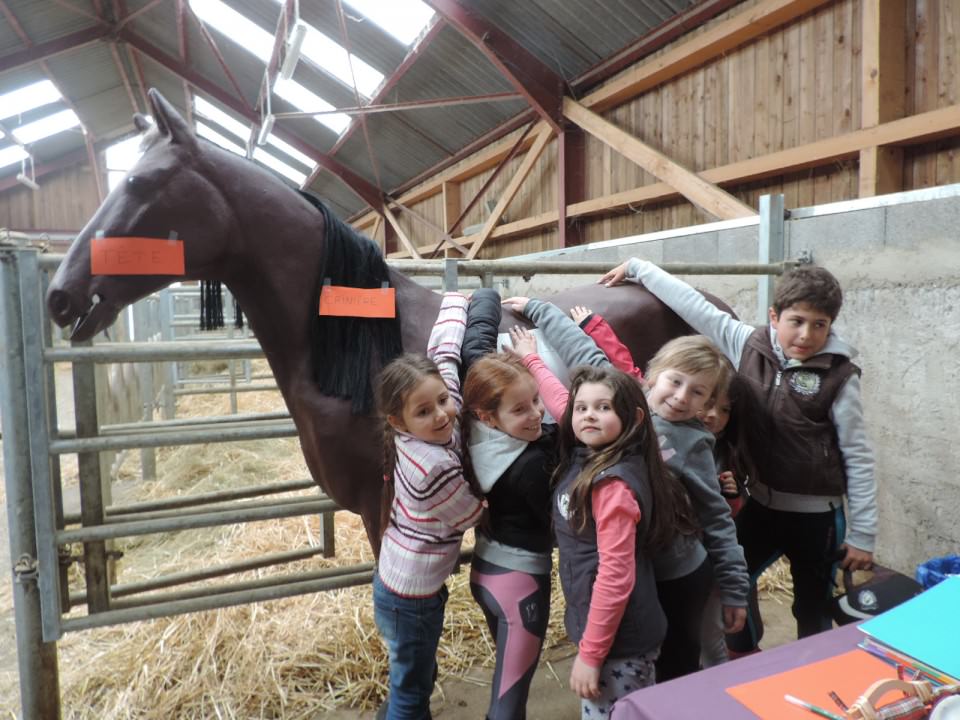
{"x":615,"y":276}
{"x":733,"y":618}
{"x":856,"y":559}
{"x":579,"y":313}
{"x":584,"y":680}
{"x":518,"y":303}
{"x":524,"y":341}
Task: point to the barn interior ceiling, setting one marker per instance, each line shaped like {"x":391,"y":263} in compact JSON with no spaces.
{"x":352,"y":99}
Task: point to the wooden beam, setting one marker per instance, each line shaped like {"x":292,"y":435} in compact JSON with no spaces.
{"x":700,"y":50}
{"x":723,"y":37}
{"x":533,"y":154}
{"x":451,"y":204}
{"x":912,"y":130}
{"x":388,"y":214}
{"x":571,"y":183}
{"x":883,"y":82}
{"x":701,"y":193}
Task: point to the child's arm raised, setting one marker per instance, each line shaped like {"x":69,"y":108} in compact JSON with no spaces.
{"x":729,"y":334}
{"x":606,"y":339}
{"x":553,"y":392}
{"x":572,"y":345}
{"x":446,"y":339}
{"x":483,"y":323}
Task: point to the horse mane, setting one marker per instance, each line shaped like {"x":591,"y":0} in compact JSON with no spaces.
{"x":346,"y":352}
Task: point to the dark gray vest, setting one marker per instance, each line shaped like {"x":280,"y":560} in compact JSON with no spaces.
{"x":643,"y":625}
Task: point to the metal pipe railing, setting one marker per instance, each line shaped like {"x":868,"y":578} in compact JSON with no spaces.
{"x":155,"y":352}
{"x":223,"y":600}
{"x":188,"y":576}
{"x":193,"y":511}
{"x":127,"y":441}
{"x":193,"y":521}
{"x":200,"y":499}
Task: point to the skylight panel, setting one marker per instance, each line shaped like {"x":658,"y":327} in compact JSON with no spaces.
{"x":333,"y":57}
{"x":290,"y":150}
{"x":212,"y":112}
{"x":46,"y":126}
{"x":274,"y":163}
{"x":404,"y":19}
{"x":205,"y":131}
{"x":235,"y":26}
{"x":21,"y":100}
{"x":11,"y":155}
{"x":119,"y":158}
{"x":297,"y":95}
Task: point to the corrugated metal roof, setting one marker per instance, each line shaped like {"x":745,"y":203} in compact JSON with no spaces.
{"x":404,"y":144}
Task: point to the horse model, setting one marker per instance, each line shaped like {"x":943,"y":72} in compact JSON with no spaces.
{"x":272,"y":246}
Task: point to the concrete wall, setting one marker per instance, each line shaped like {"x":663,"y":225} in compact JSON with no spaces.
{"x":898,"y":259}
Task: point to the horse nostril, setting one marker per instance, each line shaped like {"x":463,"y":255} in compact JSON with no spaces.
{"x":59,"y":304}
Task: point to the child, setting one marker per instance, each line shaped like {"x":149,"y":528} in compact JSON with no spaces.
{"x":802,"y":376}
{"x":680,"y":380}
{"x":512,"y":455}
{"x":429,"y":503}
{"x":730,"y":417}
{"x":611,"y":510}
{"x":684,"y":576}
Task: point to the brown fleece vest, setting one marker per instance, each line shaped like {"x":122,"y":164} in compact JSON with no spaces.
{"x":804,"y":455}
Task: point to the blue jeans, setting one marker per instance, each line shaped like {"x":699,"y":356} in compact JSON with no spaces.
{"x":410,"y":628}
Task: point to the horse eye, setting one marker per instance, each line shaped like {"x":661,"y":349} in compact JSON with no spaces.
{"x":135,"y":182}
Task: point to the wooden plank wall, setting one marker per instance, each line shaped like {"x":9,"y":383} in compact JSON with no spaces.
{"x":933,"y":81}
{"x":65,"y":201}
{"x":796,"y":85}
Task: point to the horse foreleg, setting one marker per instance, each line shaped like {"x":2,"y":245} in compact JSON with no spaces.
{"x":370,"y":514}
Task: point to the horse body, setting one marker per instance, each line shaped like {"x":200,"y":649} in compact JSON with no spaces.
{"x":244,"y":227}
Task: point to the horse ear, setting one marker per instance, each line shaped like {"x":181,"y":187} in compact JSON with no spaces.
{"x":169,"y":121}
{"x":141,"y":123}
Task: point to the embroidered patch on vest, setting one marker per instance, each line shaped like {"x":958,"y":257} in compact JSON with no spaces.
{"x":563,"y":505}
{"x":805,"y":382}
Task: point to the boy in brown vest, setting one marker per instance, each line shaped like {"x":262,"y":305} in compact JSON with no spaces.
{"x":801,"y":373}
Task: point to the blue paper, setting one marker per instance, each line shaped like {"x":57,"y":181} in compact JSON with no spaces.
{"x":926,"y":627}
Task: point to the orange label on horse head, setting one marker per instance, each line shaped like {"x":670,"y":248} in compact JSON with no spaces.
{"x":358,"y":302}
{"x":136,"y":256}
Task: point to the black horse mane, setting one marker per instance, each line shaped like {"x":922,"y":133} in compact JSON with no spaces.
{"x":347,"y":352}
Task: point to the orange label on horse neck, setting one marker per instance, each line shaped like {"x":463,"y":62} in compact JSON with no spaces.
{"x":136,"y":256}
{"x":358,"y":302}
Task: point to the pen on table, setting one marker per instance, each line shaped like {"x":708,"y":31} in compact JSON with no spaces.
{"x":840,"y":703}
{"x":812,"y":708}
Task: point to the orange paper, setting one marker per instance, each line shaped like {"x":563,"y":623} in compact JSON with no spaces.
{"x":136,"y":256}
{"x":849,"y":675}
{"x":358,"y":302}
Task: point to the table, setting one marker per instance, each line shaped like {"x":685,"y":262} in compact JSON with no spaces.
{"x":703,"y":695}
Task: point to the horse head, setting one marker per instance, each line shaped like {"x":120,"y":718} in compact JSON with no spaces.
{"x":168,"y":191}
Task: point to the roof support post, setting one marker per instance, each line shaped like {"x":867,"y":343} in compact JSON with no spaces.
{"x":883,"y":84}
{"x":571,"y":176}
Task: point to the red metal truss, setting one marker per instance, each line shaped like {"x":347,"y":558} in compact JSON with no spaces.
{"x":540,"y":85}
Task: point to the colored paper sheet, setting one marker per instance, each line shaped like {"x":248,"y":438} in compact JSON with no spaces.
{"x":925,"y":627}
{"x":848,"y":675}
{"x":358,"y":302}
{"x":136,"y":256}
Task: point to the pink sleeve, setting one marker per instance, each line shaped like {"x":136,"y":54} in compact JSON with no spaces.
{"x":552,"y":391}
{"x":616,"y":513}
{"x":606,"y":339}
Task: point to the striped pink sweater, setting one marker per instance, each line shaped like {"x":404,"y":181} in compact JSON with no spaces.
{"x":433,"y":504}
